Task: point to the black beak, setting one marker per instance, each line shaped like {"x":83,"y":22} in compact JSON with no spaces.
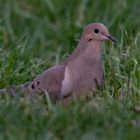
{"x":112,"y":38}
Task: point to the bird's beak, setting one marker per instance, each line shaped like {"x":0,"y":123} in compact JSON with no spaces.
{"x":111,"y":38}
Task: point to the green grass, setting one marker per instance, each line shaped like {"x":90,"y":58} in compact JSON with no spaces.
{"x":37,"y":34}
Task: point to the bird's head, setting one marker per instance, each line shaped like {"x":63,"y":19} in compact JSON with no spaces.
{"x":97,"y":32}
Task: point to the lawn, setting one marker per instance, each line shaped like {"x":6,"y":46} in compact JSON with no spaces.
{"x":37,"y":34}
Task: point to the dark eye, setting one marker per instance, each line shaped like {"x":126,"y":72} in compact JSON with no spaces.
{"x":96,"y":31}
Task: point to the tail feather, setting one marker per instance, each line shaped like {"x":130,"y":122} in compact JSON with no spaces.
{"x":3,"y":91}
{"x":13,"y":89}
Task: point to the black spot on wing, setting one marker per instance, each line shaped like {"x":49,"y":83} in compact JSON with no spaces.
{"x":38,"y":83}
{"x":32,"y":86}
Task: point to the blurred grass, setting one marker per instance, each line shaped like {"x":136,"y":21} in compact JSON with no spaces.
{"x":35,"y":35}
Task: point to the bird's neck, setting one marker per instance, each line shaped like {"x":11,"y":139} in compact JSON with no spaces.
{"x":87,"y":49}
{"x":93,"y":50}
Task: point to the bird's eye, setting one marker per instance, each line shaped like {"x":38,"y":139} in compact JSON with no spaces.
{"x":96,"y":31}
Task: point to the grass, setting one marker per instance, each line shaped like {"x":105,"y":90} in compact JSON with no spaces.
{"x":35,"y":35}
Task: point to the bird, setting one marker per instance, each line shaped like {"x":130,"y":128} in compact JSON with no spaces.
{"x":80,"y":73}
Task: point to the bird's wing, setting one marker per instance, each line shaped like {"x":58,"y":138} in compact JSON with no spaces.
{"x":49,"y":80}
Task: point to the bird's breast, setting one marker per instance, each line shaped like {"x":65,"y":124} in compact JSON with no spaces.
{"x":81,"y":73}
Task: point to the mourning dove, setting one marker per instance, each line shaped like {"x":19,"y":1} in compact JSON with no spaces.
{"x":81,"y":71}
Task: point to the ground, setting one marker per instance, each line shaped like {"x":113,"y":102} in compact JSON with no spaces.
{"x":35,"y":35}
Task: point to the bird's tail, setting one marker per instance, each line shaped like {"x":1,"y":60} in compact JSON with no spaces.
{"x":13,"y":89}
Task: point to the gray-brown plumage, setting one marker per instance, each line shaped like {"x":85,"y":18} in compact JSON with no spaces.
{"x":80,"y":72}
